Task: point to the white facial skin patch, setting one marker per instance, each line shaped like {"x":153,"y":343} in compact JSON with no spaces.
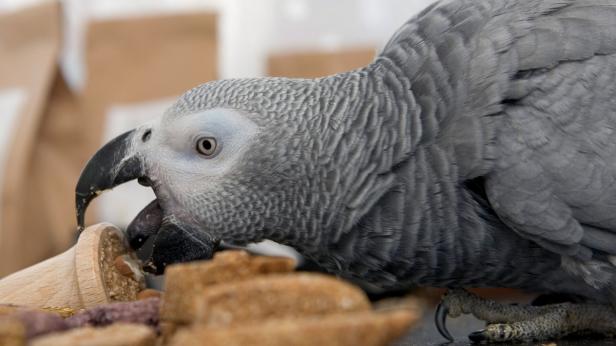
{"x":176,"y":141}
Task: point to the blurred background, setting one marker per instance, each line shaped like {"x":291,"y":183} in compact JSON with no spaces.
{"x":76,"y":73}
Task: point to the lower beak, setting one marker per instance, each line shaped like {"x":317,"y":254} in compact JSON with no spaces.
{"x":175,"y":244}
{"x":171,"y":242}
{"x":114,"y":164}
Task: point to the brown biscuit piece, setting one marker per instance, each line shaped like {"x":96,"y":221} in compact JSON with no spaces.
{"x":6,"y":309}
{"x":276,"y":296}
{"x":183,"y":282}
{"x":267,"y":264}
{"x":118,"y":334}
{"x":166,"y":332}
{"x":149,"y":293}
{"x":408,"y":302}
{"x":356,"y":329}
{"x":12,"y":332}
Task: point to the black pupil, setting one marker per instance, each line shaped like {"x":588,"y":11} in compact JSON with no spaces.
{"x":207,"y":144}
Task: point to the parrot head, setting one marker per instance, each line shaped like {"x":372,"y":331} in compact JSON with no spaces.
{"x":229,"y":161}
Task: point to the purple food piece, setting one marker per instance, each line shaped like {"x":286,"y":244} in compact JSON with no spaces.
{"x":141,"y":312}
{"x":38,"y":322}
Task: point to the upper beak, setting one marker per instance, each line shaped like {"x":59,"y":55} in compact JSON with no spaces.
{"x":114,"y":164}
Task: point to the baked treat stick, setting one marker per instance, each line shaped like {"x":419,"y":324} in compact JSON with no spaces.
{"x":119,"y":334}
{"x":184,"y":282}
{"x":349,"y":329}
{"x":277,"y":296}
{"x":12,"y":332}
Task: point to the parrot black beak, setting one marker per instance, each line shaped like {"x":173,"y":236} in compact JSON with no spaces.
{"x":175,"y":244}
{"x":112,"y":165}
{"x":172,"y":243}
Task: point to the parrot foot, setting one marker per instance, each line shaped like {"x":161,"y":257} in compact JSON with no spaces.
{"x":507,"y":322}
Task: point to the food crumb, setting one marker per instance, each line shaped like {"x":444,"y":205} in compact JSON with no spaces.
{"x":149,"y":293}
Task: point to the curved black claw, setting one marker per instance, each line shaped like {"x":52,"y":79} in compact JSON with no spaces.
{"x":477,"y":336}
{"x":440,"y":319}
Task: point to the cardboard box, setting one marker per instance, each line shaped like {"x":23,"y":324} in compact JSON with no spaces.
{"x":312,"y":64}
{"x":29,"y":46}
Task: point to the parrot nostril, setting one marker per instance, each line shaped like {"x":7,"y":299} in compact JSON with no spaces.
{"x":146,"y":135}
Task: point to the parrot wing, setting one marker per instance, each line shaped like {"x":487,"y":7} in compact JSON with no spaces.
{"x":520,"y":93}
{"x":555,"y":177}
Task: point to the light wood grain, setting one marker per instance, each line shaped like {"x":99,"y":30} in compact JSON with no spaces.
{"x":72,"y":279}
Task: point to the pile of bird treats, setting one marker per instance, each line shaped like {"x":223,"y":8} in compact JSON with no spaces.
{"x":234,"y":299}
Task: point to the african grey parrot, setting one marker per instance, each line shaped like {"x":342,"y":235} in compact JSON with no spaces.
{"x":476,"y":150}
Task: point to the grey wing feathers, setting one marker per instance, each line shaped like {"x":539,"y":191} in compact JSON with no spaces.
{"x":521,"y":91}
{"x":577,"y":32}
{"x":556,"y":173}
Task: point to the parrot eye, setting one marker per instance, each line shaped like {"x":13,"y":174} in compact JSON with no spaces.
{"x":207,"y":146}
